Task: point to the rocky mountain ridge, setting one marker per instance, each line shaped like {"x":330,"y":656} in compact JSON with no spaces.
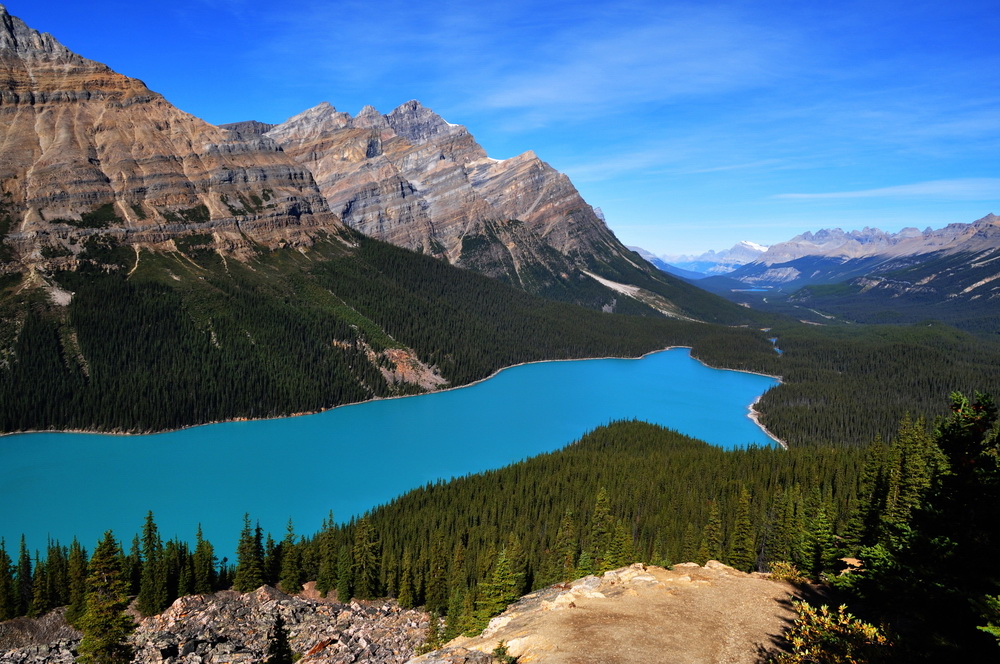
{"x":711,"y":262}
{"x":92,"y":155}
{"x":836,"y":243}
{"x":88,"y":151}
{"x":411,"y":178}
{"x":869,"y":249}
{"x":949,"y":274}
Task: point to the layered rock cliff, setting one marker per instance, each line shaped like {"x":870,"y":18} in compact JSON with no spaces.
{"x":88,"y":150}
{"x":413,"y":179}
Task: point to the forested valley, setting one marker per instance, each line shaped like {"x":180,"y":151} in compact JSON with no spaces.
{"x":153,"y":341}
{"x":919,"y":509}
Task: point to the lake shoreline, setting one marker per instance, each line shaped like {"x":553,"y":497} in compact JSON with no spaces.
{"x":753,"y":414}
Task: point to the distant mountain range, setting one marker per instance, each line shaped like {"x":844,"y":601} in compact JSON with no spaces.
{"x":708,"y":263}
{"x":952,"y":274}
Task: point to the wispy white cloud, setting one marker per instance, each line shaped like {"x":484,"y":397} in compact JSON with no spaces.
{"x":587,"y":71}
{"x":980,"y":189}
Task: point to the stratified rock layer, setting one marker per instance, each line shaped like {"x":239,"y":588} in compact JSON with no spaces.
{"x":85,"y":150}
{"x":414,"y":180}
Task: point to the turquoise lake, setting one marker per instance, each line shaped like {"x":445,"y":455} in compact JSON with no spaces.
{"x":352,"y":458}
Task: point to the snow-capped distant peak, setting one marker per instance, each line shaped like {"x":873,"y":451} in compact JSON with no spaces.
{"x":752,"y":245}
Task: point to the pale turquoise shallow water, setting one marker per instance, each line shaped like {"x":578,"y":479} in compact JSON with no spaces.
{"x":353,"y":458}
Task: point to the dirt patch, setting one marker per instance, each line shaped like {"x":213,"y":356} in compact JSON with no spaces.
{"x":638,"y":615}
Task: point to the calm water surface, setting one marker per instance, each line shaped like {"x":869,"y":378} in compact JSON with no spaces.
{"x":353,"y":458}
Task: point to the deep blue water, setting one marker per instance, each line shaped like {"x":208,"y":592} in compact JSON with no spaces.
{"x":352,"y":458}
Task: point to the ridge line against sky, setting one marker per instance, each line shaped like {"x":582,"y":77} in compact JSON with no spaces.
{"x":692,"y":125}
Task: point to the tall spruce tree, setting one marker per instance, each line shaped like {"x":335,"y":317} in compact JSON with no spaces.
{"x":153,"y":594}
{"x":436,"y":593}
{"x":743,"y":551}
{"x":8,"y":594}
{"x":249,"y":573}
{"x":105,"y":624}
{"x":77,"y":584}
{"x":602,"y":528}
{"x":291,"y":563}
{"x":366,"y":559}
{"x":345,"y":574}
{"x":936,"y":582}
{"x":710,"y":547}
{"x":405,"y":596}
{"x":497,"y":592}
{"x":204,"y":564}
{"x":25,"y":586}
{"x":326,"y":578}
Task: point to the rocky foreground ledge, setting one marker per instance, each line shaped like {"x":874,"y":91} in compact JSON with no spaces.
{"x":232,"y":627}
{"x":636,"y":615}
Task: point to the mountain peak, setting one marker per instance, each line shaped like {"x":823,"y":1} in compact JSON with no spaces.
{"x":17,"y":37}
{"x":419,"y":124}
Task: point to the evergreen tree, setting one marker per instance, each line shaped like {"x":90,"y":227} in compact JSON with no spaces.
{"x":57,"y":575}
{"x":622,"y":552}
{"x":133,"y":566}
{"x":25,"y":587}
{"x":105,"y":624}
{"x":39,"y":586}
{"x":563,"y":555}
{"x":249,"y":573}
{"x":436,"y":592}
{"x":496,"y":593}
{"x":601,"y":532}
{"x":710,"y":547}
{"x":344,"y":574}
{"x":454,"y":624}
{"x":457,"y":573}
{"x":153,"y":594}
{"x":291,"y":563}
{"x":326,"y":578}
{"x":518,"y":563}
{"x":204,"y":565}
{"x":272,"y":561}
{"x":8,"y":593}
{"x":689,"y":543}
{"x":935,"y":583}
{"x":366,"y":572}
{"x":405,"y":595}
{"x":820,"y":551}
{"x":77,"y":584}
{"x":279,"y":651}
{"x":743,"y":551}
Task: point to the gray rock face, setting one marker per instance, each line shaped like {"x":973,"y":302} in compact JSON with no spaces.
{"x":234,"y":627}
{"x":417,"y":181}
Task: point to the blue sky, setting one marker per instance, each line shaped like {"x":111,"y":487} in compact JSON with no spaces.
{"x":692,"y":125}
